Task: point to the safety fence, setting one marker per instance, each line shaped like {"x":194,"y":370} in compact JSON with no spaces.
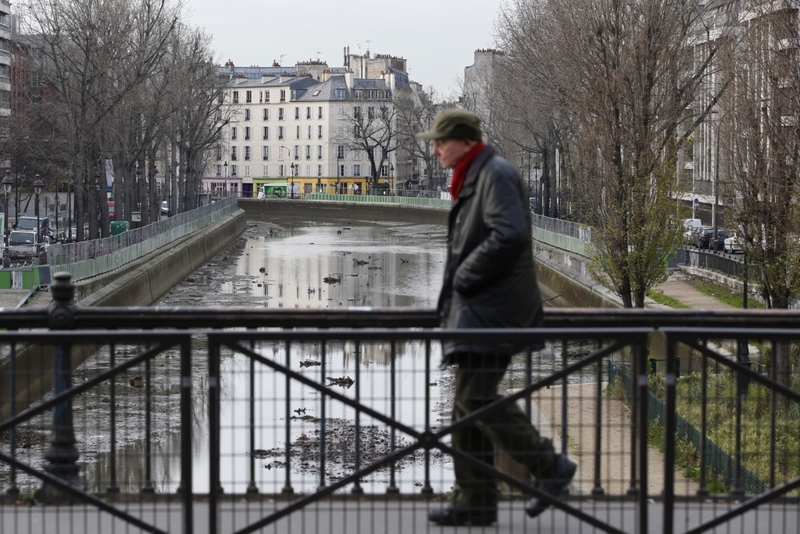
{"x":382,"y":199}
{"x":244,"y":420}
{"x":86,"y":259}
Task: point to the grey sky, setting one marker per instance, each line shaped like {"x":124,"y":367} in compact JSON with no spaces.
{"x":437,"y":37}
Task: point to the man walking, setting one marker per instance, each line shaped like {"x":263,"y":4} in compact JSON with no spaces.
{"x":489,"y":282}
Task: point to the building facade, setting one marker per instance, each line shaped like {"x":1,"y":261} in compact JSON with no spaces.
{"x":311,"y":129}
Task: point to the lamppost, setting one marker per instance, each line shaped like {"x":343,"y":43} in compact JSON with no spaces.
{"x":138,"y":181}
{"x":97,"y":202}
{"x":37,"y":189}
{"x":225,"y":183}
{"x":7,"y":183}
{"x":391,"y":179}
{"x":292,"y":179}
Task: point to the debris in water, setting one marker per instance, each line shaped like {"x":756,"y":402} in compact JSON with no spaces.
{"x":309,"y":363}
{"x":332,"y":279}
{"x":345,"y":381}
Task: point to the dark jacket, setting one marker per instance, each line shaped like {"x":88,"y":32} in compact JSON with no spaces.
{"x":489,"y":281}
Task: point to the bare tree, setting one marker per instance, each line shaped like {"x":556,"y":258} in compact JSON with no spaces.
{"x":760,"y":150}
{"x":370,"y":128}
{"x":84,"y":47}
{"x":626,"y":72}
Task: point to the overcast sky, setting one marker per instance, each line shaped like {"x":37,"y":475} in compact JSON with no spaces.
{"x":436,"y":38}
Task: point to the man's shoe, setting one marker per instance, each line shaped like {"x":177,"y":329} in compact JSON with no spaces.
{"x":455,"y":515}
{"x":553,"y":483}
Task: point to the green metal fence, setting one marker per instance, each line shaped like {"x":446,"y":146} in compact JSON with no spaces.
{"x":381,"y":199}
{"x":91,"y":258}
{"x":721,"y":464}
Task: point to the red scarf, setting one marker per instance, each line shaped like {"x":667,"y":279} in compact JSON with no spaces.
{"x":461,"y":168}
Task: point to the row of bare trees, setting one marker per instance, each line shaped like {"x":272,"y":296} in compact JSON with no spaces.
{"x":629,"y":103}
{"x":123,"y":89}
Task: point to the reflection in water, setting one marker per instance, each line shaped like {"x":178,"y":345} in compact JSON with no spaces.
{"x":309,"y":267}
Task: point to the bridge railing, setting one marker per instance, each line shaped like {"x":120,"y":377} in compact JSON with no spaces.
{"x":86,"y":259}
{"x":246,"y":417}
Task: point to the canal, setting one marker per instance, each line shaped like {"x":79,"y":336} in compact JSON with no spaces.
{"x":286,"y":264}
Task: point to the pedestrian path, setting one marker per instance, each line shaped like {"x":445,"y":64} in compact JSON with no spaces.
{"x":680,"y":287}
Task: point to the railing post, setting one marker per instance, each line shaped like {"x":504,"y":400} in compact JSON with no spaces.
{"x":62,"y":456}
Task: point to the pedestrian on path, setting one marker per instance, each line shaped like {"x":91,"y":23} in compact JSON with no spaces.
{"x":489,"y":282}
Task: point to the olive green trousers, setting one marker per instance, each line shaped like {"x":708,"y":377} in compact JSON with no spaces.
{"x":477,"y":378}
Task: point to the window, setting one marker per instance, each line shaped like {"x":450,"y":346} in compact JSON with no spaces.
{"x":280,"y":153}
{"x":281,"y":170}
{"x":233,"y":153}
{"x":246,"y":172}
{"x":247,"y":113}
{"x":341,"y":171}
{"x":265,"y":153}
{"x":319,"y":132}
{"x":283,"y":95}
{"x":357,"y":113}
{"x":356,"y":170}
{"x":233,"y":133}
{"x":296,"y":151}
{"x":265,"y":133}
{"x":265,"y":115}
{"x":340,"y":94}
{"x":261,"y":97}
{"x":319,"y":151}
{"x":219,"y":170}
{"x":370,"y":112}
{"x":309,"y":131}
{"x":340,"y":152}
{"x":280,"y":132}
{"x":296,"y":113}
{"x":308,"y":112}
{"x":234,"y":170}
{"x":247,"y":154}
{"x":246,"y":133}
{"x":266,"y":96}
{"x":384,"y":170}
{"x":266,"y":170}
{"x":297,"y":132}
{"x":236,"y":97}
{"x":219,"y":152}
{"x":319,"y":170}
{"x":308,"y":151}
{"x":319,"y":112}
{"x":248,"y":97}
{"x":280,"y":114}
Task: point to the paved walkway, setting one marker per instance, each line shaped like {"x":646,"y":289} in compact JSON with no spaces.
{"x":680,"y":287}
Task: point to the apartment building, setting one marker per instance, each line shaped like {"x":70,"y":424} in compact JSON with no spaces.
{"x":297,"y":132}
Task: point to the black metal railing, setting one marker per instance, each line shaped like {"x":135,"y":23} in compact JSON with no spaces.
{"x":246,"y":418}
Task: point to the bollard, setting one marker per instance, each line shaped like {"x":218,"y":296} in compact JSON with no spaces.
{"x":62,"y":455}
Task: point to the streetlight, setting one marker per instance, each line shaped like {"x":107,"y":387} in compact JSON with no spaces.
{"x":225,"y":183}
{"x":138,"y":181}
{"x":7,"y":183}
{"x":37,"y":189}
{"x":391,"y":180}
{"x":97,"y":201}
{"x":292,"y":179}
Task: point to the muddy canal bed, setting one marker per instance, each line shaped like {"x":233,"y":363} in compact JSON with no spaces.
{"x":274,"y":266}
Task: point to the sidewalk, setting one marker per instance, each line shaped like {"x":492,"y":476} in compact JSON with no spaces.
{"x":679,"y":286}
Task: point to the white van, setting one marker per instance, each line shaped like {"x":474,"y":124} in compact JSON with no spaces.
{"x":690,"y":227}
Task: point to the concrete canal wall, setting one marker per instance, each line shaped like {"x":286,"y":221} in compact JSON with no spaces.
{"x":141,"y":283}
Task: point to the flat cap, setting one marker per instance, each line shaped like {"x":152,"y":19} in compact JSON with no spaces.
{"x":454,"y":123}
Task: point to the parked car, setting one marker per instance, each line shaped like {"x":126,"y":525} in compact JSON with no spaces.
{"x":732,"y":243}
{"x":718,"y":241}
{"x":690,"y":229}
{"x":704,"y":237}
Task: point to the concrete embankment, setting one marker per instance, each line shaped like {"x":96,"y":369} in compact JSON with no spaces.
{"x":268,"y":209}
{"x":141,"y":283}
